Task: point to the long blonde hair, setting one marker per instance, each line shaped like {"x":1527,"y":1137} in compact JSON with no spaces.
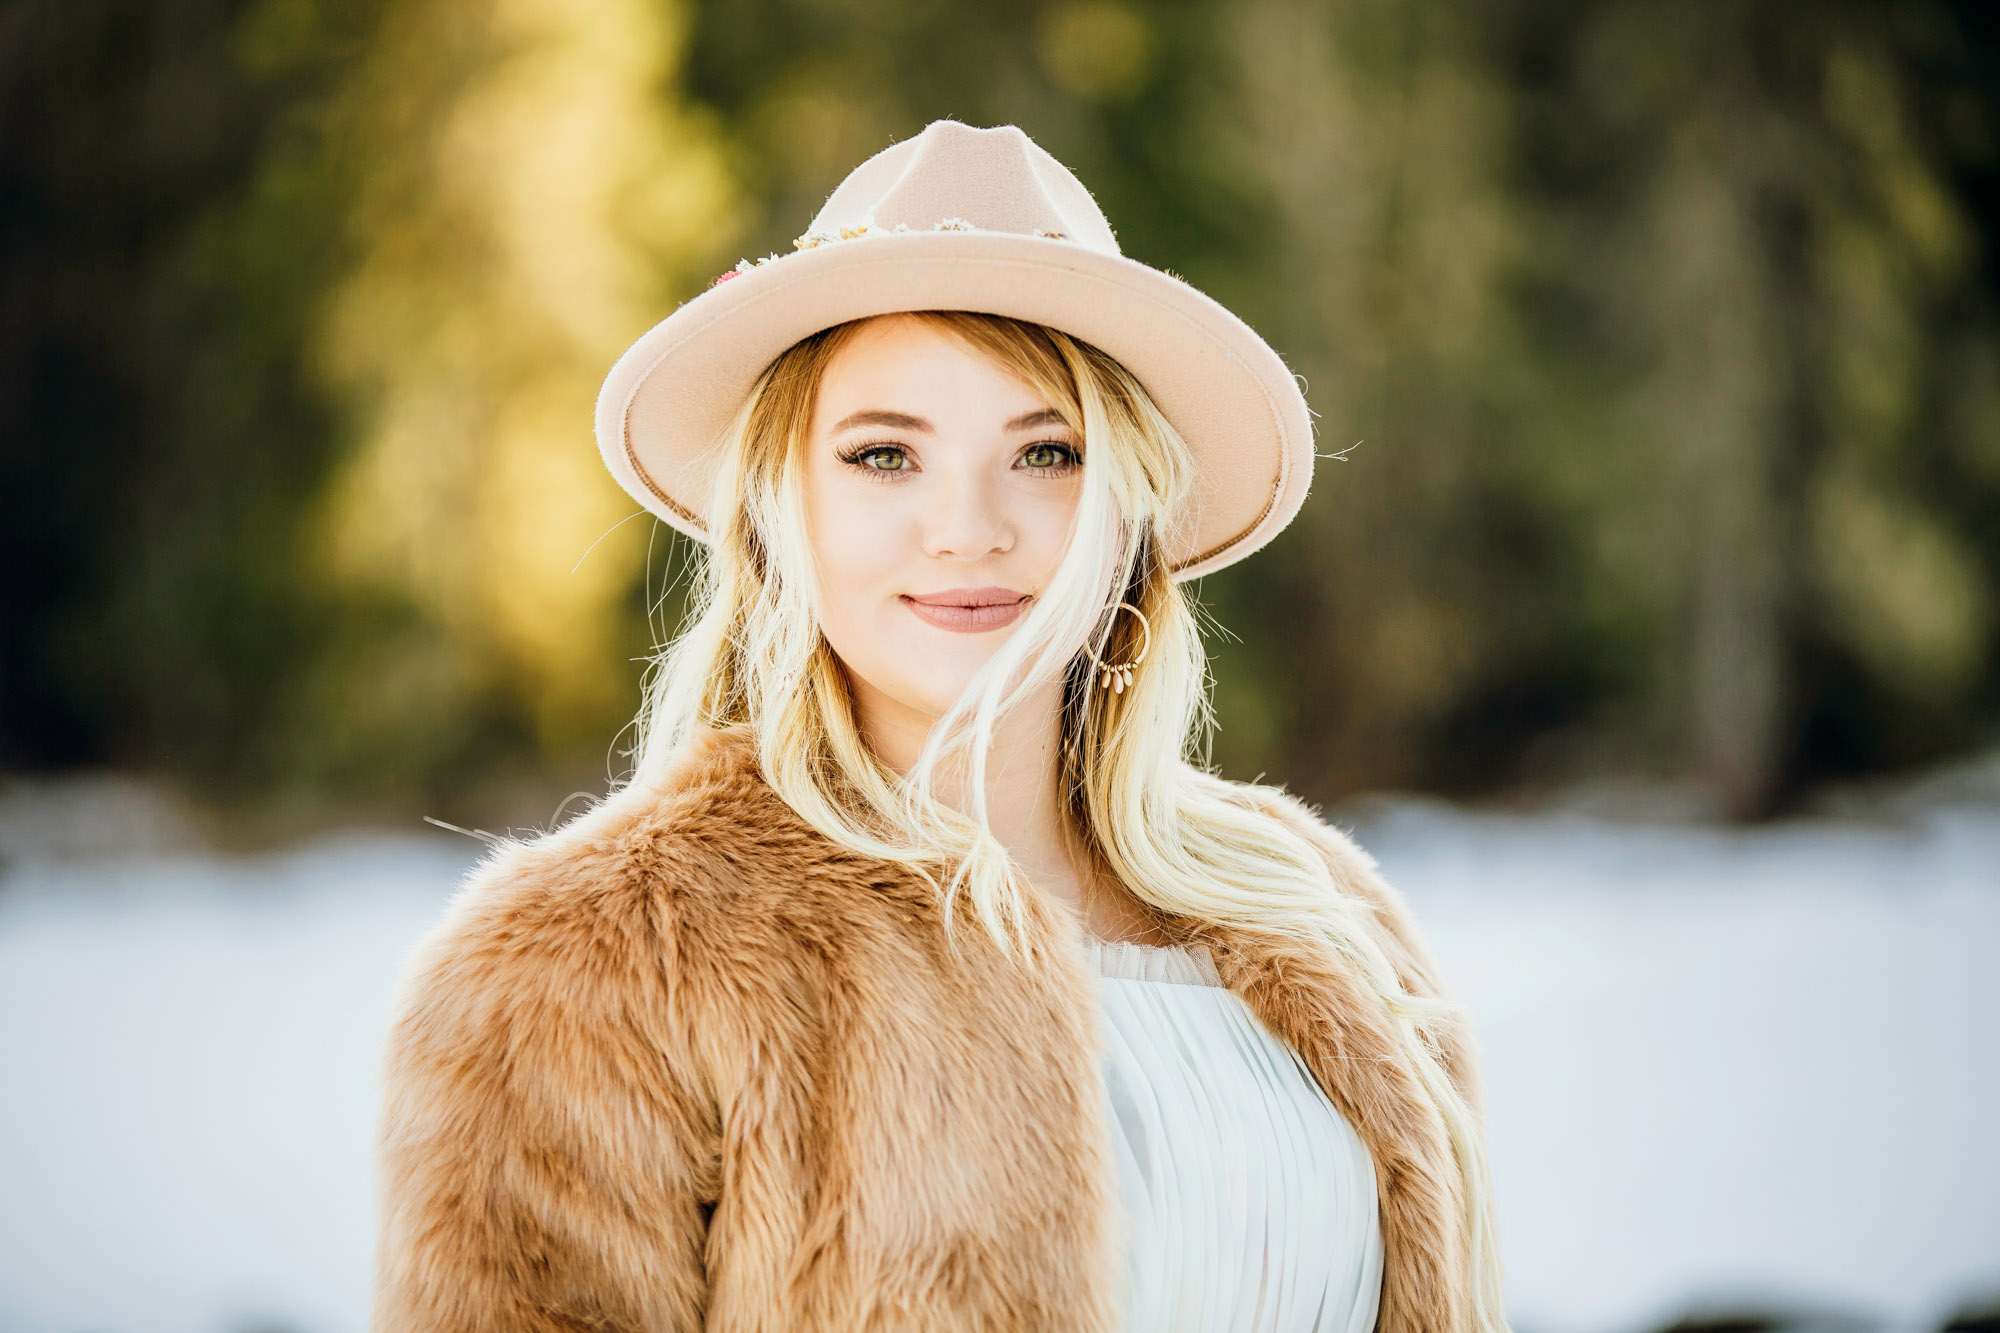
{"x":1177,"y":835}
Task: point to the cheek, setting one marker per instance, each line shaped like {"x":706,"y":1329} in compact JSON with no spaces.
{"x":863,"y":553}
{"x":1045,"y":526}
{"x":853,"y":546}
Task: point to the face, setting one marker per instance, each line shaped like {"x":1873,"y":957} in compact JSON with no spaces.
{"x":939,"y":490}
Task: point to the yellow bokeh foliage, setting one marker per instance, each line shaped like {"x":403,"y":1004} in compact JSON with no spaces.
{"x":532,"y":198}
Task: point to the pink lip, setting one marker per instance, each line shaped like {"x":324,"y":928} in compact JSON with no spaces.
{"x":969,"y":610}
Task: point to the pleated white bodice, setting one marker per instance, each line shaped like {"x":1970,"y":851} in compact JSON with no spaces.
{"x":1249,"y":1199}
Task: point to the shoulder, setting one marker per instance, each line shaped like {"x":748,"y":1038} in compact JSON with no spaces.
{"x":549,"y":1121}
{"x":1346,"y":857}
{"x":1404,"y":942}
{"x":1357,"y":875}
{"x":590,"y":920}
{"x":652,"y":847}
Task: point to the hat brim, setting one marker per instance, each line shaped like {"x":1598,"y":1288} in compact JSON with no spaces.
{"x":665,"y":405}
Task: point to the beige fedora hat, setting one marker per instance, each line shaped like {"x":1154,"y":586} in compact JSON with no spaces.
{"x":960,"y":218}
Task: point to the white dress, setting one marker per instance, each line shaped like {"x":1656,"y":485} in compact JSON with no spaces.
{"x":1250,"y":1200}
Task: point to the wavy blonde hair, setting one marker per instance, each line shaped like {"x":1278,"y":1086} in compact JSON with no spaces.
{"x":1180,"y":837}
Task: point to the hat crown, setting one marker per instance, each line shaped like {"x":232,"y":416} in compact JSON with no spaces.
{"x":992,"y":179}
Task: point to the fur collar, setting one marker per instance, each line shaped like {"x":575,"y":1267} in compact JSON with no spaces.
{"x":685,"y":1063}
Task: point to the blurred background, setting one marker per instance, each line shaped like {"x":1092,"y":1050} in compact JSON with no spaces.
{"x":1648,"y":627}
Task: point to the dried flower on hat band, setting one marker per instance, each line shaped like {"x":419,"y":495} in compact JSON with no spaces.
{"x":866,"y":227}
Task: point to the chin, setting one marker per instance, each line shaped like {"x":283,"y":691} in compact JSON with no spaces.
{"x":942,"y":674}
{"x":930,"y":697}
{"x":935,"y":700}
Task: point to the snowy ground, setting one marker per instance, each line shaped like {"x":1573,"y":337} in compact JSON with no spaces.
{"x":1726,"y":1070}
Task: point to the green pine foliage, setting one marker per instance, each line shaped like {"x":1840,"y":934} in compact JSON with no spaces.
{"x":1653,"y":349}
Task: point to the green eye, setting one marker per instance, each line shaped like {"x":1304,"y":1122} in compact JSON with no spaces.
{"x":1045,"y":455}
{"x":894,"y":460}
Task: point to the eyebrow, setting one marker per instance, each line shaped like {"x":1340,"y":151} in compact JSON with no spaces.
{"x":875,"y":416}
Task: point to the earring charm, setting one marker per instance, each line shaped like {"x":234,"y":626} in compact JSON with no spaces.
{"x":1117,"y":676}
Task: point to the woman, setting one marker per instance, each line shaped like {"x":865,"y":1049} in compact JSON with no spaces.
{"x":915,"y":980}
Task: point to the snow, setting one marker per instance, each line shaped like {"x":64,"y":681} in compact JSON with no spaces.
{"x":1725,"y":1069}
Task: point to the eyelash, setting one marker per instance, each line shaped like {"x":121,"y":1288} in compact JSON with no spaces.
{"x":853,"y":454}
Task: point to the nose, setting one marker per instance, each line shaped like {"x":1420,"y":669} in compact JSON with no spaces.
{"x":967,"y":521}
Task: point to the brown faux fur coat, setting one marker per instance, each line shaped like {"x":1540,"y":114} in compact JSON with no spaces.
{"x":684,"y":1063}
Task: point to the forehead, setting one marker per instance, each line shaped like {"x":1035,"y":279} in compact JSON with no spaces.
{"x":899,"y":363}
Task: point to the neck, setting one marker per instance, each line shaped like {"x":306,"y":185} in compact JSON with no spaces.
{"x":1024,"y":797}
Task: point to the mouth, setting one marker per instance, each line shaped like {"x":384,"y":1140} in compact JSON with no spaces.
{"x":969,"y":610}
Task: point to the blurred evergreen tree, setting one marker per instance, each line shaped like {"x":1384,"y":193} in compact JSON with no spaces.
{"x":531,"y":195}
{"x":167,"y":221}
{"x":1653,"y":349}
{"x":1788,"y":333}
{"x":1605,"y":307}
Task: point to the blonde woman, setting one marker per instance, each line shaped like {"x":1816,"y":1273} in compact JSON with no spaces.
{"x":918,"y":979}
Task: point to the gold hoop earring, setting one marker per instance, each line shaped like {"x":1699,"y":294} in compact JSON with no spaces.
{"x":1118,"y":676}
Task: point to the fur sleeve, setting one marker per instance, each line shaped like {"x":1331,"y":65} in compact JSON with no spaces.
{"x":1355,"y":872}
{"x":547,"y":1149}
